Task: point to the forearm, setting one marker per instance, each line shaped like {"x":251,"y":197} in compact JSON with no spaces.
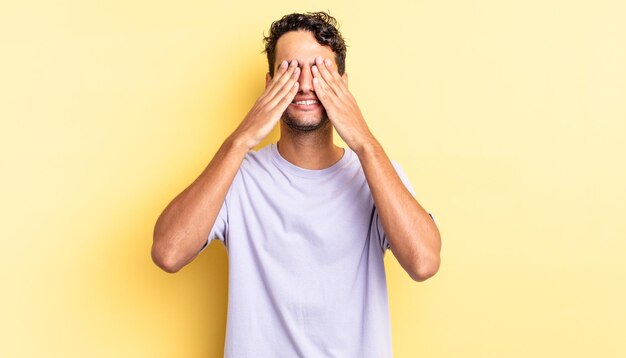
{"x":185,"y":224}
{"x":411,"y":232}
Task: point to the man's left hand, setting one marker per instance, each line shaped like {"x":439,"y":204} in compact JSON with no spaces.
{"x":341,"y":107}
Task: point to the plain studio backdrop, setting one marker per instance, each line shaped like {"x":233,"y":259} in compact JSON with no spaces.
{"x":509,"y":118}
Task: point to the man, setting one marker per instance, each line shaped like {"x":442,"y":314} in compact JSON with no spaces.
{"x":305,"y":223}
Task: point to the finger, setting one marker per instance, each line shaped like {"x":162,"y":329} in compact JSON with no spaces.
{"x":333,"y":71}
{"x":332,"y":81}
{"x":279,"y":72}
{"x":339,"y":80}
{"x":285,"y":90}
{"x":323,"y":92}
{"x":280,"y":81}
{"x":317,"y":75}
{"x":282,"y":68}
{"x":287,"y":98}
{"x":325,"y":88}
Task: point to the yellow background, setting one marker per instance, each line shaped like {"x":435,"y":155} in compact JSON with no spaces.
{"x":509,"y":118}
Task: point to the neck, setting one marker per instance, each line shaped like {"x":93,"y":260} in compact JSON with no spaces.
{"x":309,"y":150}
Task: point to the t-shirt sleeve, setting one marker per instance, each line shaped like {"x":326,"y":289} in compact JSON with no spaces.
{"x":220,"y":227}
{"x":219,"y":231}
{"x":382,"y":236}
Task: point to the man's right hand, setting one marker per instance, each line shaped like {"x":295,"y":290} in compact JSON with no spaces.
{"x":184,"y":226}
{"x":268,"y":109}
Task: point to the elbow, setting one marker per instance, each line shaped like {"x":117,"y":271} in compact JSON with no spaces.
{"x":164,"y":261}
{"x":426,"y":269}
{"x":165,"y":252}
{"x":165,"y":256}
{"x":428,"y":263}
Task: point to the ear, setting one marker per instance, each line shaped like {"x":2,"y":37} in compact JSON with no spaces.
{"x":268,"y":78}
{"x":345,"y":78}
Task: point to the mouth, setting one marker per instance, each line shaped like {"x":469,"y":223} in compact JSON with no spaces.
{"x":306,"y":104}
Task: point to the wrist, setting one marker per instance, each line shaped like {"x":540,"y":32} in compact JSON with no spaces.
{"x":366,"y":146}
{"x":239,"y":142}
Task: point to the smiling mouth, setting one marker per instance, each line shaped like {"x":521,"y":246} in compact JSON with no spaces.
{"x":306,"y":102}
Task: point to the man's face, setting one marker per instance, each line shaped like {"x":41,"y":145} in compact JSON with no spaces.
{"x":306,"y":112}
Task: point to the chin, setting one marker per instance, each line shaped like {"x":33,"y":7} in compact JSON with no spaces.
{"x":305,"y":124}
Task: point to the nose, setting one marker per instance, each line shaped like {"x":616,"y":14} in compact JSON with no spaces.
{"x":306,"y":79}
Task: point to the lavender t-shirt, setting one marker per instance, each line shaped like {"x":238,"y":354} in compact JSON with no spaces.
{"x":305,"y":252}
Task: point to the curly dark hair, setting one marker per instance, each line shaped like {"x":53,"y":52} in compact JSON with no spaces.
{"x":323,"y":26}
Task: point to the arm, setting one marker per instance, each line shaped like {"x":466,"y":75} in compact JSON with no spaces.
{"x":412,"y":234}
{"x":184,"y":226}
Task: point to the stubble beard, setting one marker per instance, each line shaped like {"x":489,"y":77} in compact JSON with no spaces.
{"x":300,"y":125}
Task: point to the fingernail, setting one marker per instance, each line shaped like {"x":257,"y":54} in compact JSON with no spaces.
{"x":327,"y":61}
{"x":318,"y":60}
{"x":314,"y":68}
{"x":294,"y":62}
{"x":283,"y":64}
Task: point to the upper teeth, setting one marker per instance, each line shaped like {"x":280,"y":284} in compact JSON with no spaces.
{"x":308,"y":101}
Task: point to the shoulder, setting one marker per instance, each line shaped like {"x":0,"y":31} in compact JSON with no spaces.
{"x":257,"y":161}
{"x":258,"y":155}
